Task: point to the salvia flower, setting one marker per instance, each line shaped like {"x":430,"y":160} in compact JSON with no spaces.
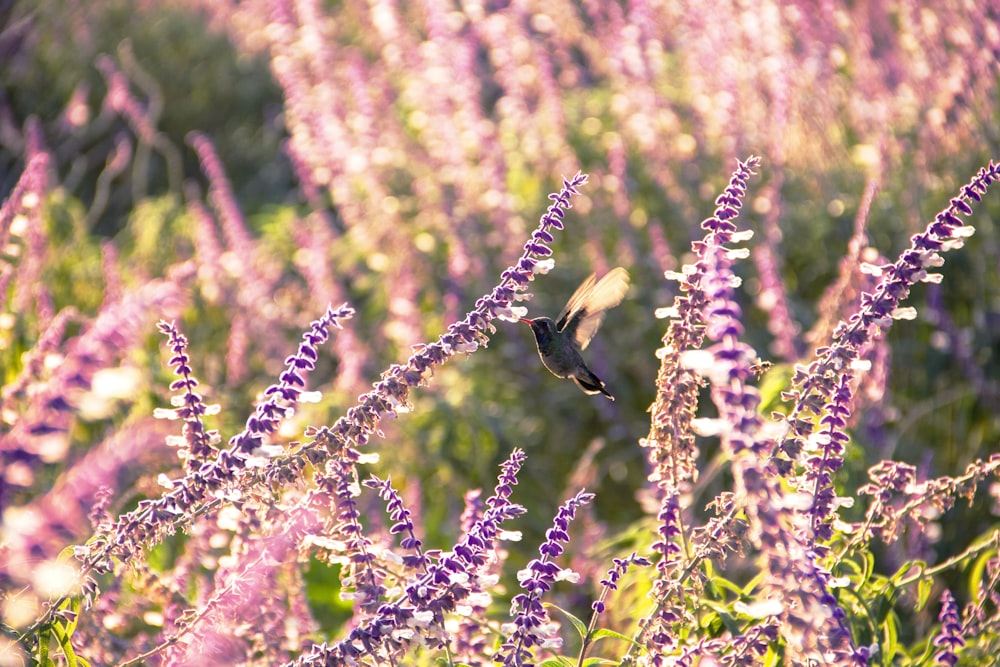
{"x":281,"y":397}
{"x":154,"y":518}
{"x":826,"y":458}
{"x":366,"y":580}
{"x":610,"y":582}
{"x":427,"y":597}
{"x":815,"y":383}
{"x":361,"y":422}
{"x":809,"y":612}
{"x":402,"y":522}
{"x":531,"y":625}
{"x":950,"y":639}
{"x":197,"y":444}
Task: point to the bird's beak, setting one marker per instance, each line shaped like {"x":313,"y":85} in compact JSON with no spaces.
{"x":526,"y":321}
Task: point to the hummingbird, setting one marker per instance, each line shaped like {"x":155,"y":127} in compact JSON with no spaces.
{"x":560,"y":342}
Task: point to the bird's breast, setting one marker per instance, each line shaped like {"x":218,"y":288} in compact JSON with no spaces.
{"x":561,"y":361}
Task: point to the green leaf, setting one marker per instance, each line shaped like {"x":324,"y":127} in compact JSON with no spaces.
{"x":978,"y":568}
{"x":581,"y":627}
{"x":713,"y":623}
{"x":723,"y":585}
{"x":604,"y":633}
{"x":924,"y":587}
{"x":44,"y":637}
{"x":890,"y":639}
{"x":557,"y":661}
{"x":906,"y":568}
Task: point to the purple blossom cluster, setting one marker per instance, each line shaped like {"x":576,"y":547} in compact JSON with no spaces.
{"x":426,"y":598}
{"x":949,"y":641}
{"x":391,"y":393}
{"x":416,"y":132}
{"x":197,"y":443}
{"x":799,"y":591}
{"x":531,"y":625}
{"x":794,"y":548}
{"x":402,"y":523}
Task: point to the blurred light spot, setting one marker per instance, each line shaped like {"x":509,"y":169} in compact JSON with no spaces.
{"x":18,"y":473}
{"x":382,"y":156}
{"x":685,"y":145}
{"x":638,"y":218}
{"x":492,"y":198}
{"x":761,"y":205}
{"x":936,"y":117}
{"x":418,"y":120}
{"x":836,"y":208}
{"x":390,"y":205}
{"x":940,"y":340}
{"x":122,"y":382}
{"x":543,"y":23}
{"x":455,"y":21}
{"x":838,"y":57}
{"x":377,"y":261}
{"x":19,"y":225}
{"x":356,"y":163}
{"x":591,"y":126}
{"x":114,"y":622}
{"x":91,"y":407}
{"x":30,"y":200}
{"x":424,"y":242}
{"x":866,"y":155}
{"x":53,"y":447}
{"x":19,"y":611}
{"x":53,"y":578}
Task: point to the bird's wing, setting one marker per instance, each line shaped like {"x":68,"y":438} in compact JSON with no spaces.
{"x":584,"y":311}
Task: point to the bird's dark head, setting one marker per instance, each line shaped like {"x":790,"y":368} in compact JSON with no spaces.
{"x":543,"y":328}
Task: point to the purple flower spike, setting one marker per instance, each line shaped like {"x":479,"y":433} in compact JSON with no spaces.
{"x":198,"y":444}
{"x":402,"y":523}
{"x":950,"y":639}
{"x":531,"y":625}
{"x":391,"y":393}
{"x":285,"y":394}
{"x":610,"y":582}
{"x":426,"y":598}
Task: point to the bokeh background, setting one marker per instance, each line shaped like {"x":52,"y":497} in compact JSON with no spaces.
{"x":236,"y":166}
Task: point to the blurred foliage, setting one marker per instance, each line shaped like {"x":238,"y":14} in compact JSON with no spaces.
{"x":478,"y":407}
{"x":195,"y":79}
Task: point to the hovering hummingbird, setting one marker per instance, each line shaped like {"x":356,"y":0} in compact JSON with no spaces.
{"x":560,"y":342}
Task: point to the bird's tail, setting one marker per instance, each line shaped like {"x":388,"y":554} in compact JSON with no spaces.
{"x":590,"y":383}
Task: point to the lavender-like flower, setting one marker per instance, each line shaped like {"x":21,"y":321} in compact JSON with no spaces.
{"x":428,"y":597}
{"x":610,"y":582}
{"x":341,"y":483}
{"x":154,"y":518}
{"x":284,"y":395}
{"x":391,"y":393}
{"x":403,"y":523}
{"x":470,"y":631}
{"x":672,"y":452}
{"x":531,"y":625}
{"x":816,"y":382}
{"x":197,"y":445}
{"x":830,"y":443}
{"x":808,"y":611}
{"x":919,"y":500}
{"x":950,"y":639}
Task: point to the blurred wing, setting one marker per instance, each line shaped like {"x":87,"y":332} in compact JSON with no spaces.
{"x":584,"y":312}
